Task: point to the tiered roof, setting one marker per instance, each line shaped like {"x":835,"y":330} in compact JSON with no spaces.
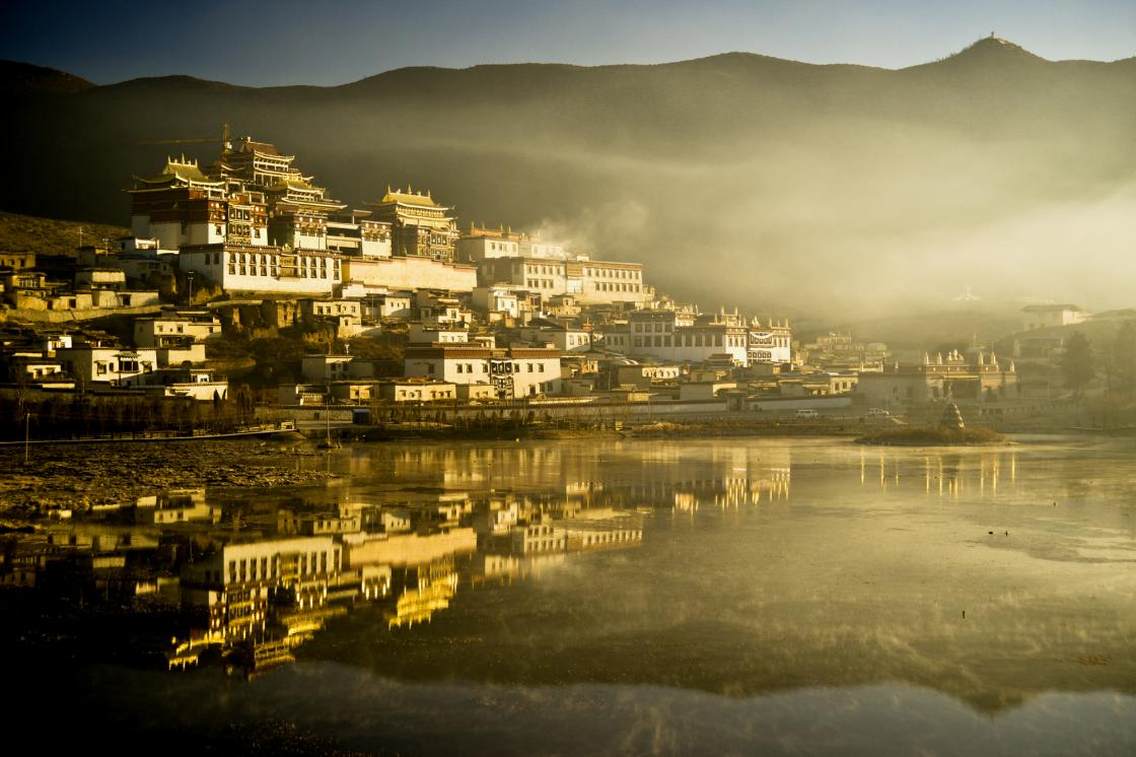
{"x":178,"y":172}
{"x":410,"y":197}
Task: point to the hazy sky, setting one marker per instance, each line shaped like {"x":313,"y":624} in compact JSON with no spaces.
{"x":336,"y":41}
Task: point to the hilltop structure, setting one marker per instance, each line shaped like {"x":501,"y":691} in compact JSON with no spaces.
{"x":487,"y":316}
{"x":419,"y":226}
{"x":481,"y":242}
{"x":254,"y":222}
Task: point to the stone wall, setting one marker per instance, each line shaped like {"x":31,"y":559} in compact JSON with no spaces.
{"x":70,"y":316}
{"x":410,"y":273}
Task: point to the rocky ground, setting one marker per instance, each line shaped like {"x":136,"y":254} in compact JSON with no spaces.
{"x":79,"y":476}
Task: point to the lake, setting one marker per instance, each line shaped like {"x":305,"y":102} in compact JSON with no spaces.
{"x":738,"y":596}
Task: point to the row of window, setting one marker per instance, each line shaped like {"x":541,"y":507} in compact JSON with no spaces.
{"x":615,"y":286}
{"x":242,"y":214}
{"x":125,"y":365}
{"x":330,"y":308}
{"x":468,"y":368}
{"x":310,"y":268}
{"x":246,"y":569}
{"x":613,"y":273}
{"x":777,"y":341}
{"x":690,"y":340}
{"x":418,"y":394}
{"x":253,"y":569}
{"x":546,"y":545}
{"x":252,"y":270}
{"x":610,"y":537}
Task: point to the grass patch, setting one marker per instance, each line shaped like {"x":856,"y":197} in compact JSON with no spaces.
{"x":50,"y":236}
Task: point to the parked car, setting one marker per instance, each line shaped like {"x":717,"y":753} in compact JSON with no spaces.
{"x":806,"y":413}
{"x":878,"y":412}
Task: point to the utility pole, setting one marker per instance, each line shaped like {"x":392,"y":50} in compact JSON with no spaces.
{"x":27,"y":436}
{"x":189,"y":279}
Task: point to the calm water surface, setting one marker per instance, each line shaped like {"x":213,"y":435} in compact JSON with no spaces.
{"x":726,"y":596}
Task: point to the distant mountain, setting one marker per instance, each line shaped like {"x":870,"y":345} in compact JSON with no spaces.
{"x":22,"y":78}
{"x":781,"y":184}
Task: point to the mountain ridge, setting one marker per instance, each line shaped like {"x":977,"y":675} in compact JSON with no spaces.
{"x":803,"y":177}
{"x":20,"y":77}
{"x":980,"y":48}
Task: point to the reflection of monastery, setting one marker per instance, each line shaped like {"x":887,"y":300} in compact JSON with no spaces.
{"x":255,"y":589}
{"x":424,"y":590}
{"x":984,"y":474}
{"x":252,"y":584}
{"x":725,"y":478}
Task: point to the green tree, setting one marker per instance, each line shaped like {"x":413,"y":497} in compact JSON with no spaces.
{"x":1123,"y":358}
{"x":1077,"y":364}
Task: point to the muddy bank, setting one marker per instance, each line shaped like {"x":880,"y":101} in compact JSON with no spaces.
{"x":657,"y":429}
{"x":80,"y":476}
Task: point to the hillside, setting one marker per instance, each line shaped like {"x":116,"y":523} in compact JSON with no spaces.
{"x":795,"y":186}
{"x":50,"y":236}
{"x":24,"y":78}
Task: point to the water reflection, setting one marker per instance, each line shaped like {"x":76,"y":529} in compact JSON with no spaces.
{"x":944,"y":474}
{"x":734,"y":568}
{"x":248,"y":587}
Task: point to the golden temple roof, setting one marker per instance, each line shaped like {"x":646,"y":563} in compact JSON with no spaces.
{"x":409,"y":197}
{"x":185,"y":170}
{"x":293,"y":183}
{"x":265,"y":148}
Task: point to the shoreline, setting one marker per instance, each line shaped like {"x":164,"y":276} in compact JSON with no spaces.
{"x":79,"y":478}
{"x":430,"y":431}
{"x":156,"y":439}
